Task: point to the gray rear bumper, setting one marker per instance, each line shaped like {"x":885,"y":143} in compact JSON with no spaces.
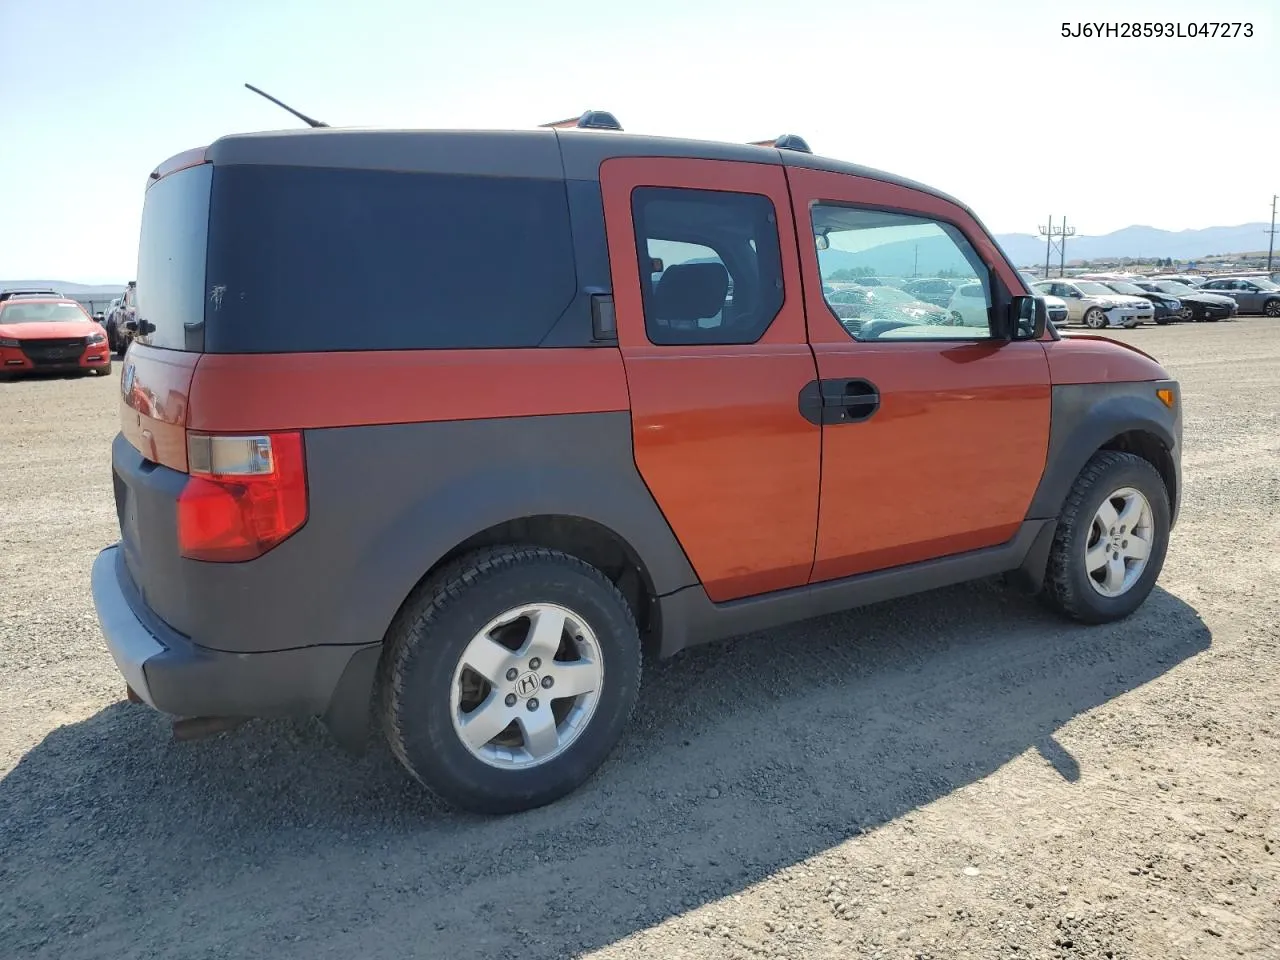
{"x":177,"y":676}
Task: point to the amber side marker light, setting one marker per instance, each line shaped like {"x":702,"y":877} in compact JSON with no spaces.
{"x":1166,"y":397}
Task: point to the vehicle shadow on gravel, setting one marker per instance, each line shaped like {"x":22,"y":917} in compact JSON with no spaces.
{"x":744,"y":757}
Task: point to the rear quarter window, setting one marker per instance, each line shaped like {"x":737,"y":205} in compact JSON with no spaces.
{"x":169,"y":295}
{"x":318,"y":259}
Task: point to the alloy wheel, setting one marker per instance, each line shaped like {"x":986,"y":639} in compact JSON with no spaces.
{"x":526,"y":686}
{"x":1120,"y":542}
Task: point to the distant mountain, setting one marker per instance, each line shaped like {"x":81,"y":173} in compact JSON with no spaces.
{"x":1026,"y":250}
{"x":926,"y":257}
{"x":71,"y":289}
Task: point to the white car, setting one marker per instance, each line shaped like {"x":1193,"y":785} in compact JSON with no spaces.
{"x":968,"y":306}
{"x":1098,"y":306}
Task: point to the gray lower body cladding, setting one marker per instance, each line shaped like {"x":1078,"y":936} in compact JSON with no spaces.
{"x":174,"y":675}
{"x":689,"y":617}
{"x":385,"y":504}
{"x":1087,"y":416}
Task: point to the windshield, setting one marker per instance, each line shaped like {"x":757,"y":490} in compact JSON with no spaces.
{"x":15,"y":311}
{"x":1094,"y":289}
{"x":1129,"y":289}
{"x":1172,"y":286}
{"x":1263,"y":283}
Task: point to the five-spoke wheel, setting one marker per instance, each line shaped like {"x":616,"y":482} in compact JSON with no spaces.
{"x":526,"y":685}
{"x":1119,"y":542}
{"x":508,"y":677}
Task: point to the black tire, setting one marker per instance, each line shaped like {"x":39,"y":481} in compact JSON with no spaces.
{"x":1165,"y":320}
{"x":1271,"y":308}
{"x":104,"y":371}
{"x":1067,"y":586}
{"x":429,"y":635}
{"x":1095,"y":319}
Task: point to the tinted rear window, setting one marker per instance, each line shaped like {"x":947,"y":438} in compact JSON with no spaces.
{"x":319,"y":259}
{"x":171,"y":260}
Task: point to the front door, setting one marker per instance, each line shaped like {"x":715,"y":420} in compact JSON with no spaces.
{"x":711,"y":325}
{"x":940,"y":433}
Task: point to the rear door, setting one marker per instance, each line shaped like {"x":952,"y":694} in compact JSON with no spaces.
{"x":711,"y":326}
{"x":940,"y":432}
{"x":1250,"y":296}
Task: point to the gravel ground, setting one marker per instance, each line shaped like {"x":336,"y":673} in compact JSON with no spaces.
{"x":953,"y":775}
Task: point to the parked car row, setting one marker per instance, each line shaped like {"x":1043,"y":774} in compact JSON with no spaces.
{"x":1250,"y":294}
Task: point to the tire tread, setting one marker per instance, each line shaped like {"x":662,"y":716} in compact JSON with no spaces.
{"x":1060,"y":589}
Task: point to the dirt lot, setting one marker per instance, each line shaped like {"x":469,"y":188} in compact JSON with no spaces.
{"x":955,"y":775}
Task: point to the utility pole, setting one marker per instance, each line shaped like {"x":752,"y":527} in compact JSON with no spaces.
{"x":1271,"y":243}
{"x":1048,"y":245}
{"x":1061,"y":233}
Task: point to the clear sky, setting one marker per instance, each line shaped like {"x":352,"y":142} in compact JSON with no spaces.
{"x":984,"y":99}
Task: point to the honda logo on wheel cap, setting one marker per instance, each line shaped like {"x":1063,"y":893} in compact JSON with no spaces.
{"x":527,"y":685}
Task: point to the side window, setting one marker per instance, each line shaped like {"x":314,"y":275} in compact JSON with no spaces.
{"x":934,"y":284}
{"x":710,"y":264}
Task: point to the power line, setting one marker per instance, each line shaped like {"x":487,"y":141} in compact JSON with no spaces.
{"x":1061,"y":232}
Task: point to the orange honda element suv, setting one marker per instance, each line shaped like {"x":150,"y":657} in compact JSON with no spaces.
{"x":446,"y":428}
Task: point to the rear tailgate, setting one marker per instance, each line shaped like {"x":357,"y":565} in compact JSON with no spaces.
{"x":149,"y":457}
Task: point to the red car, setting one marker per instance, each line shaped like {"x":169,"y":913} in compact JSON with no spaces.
{"x":53,"y":334}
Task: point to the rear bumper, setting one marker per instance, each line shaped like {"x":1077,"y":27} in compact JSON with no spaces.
{"x":178,"y":676}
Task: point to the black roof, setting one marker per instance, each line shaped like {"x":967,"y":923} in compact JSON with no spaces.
{"x":537,"y":154}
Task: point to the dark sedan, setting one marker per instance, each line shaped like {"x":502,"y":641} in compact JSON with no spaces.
{"x":1253,"y":294}
{"x":1168,"y":307}
{"x":1203,"y":306}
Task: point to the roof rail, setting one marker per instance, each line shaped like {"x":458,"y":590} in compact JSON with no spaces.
{"x":788,"y":141}
{"x":589,"y":120}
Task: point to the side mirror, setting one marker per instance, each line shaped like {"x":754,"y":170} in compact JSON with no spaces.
{"x":131,"y":326}
{"x":1026,"y":320}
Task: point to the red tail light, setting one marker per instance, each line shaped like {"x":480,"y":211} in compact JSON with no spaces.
{"x":245,"y":495}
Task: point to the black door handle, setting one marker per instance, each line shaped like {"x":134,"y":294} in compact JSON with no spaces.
{"x":839,"y":401}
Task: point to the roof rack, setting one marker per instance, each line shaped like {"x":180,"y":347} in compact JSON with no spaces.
{"x":589,"y":120}
{"x":788,"y":141}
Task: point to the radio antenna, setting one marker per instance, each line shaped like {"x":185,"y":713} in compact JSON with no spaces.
{"x":297,"y":113}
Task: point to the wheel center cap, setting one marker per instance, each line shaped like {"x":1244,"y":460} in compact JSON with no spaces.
{"x":527,"y":685}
